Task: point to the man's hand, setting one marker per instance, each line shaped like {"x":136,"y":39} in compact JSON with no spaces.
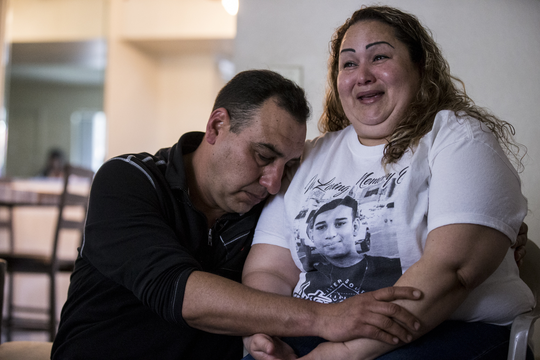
{"x":372,"y":315}
{"x":264,"y":347}
{"x":519,"y":246}
{"x":270,"y":268}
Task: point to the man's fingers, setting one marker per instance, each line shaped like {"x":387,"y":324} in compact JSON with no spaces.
{"x":396,"y":293}
{"x":393,"y":313}
{"x":373,"y":315}
{"x":374,"y":332}
{"x":389,"y":329}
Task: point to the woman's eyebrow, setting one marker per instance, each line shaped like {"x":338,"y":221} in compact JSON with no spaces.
{"x":347,"y":50}
{"x":367,"y":46}
{"x":378,"y":43}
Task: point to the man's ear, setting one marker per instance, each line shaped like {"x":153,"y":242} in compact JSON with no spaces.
{"x":218,"y":122}
{"x":356,"y":226}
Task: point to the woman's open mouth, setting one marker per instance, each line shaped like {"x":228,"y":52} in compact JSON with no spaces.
{"x":370,"y":95}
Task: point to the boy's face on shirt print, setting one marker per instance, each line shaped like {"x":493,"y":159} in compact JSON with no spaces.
{"x":334,"y":232}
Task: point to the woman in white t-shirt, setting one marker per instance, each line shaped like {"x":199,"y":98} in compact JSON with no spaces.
{"x":410,"y":184}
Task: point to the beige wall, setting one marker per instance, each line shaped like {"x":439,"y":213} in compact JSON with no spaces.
{"x":131,"y":89}
{"x":174,"y":19}
{"x":188,"y":85}
{"x":57,"y":20}
{"x":152,"y":99}
{"x":159,"y":83}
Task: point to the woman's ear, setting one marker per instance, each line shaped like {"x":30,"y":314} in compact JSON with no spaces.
{"x":217,"y":124}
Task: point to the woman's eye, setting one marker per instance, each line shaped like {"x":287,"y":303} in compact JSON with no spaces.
{"x":348,"y":64}
{"x":380,"y":57}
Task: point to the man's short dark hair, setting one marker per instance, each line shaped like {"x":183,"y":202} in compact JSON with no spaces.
{"x":244,"y":94}
{"x":346,"y":201}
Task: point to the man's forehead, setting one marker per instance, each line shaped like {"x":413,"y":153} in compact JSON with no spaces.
{"x":284,"y":137}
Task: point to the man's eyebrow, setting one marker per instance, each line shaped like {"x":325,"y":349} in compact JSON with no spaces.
{"x":294,"y":160}
{"x":367,"y":46}
{"x":270,"y":147}
{"x":278,"y":153}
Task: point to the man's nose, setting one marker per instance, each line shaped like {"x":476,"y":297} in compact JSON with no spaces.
{"x":330,"y":232}
{"x":271,"y":178}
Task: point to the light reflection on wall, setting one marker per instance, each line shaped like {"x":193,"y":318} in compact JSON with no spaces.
{"x":3,"y":139}
{"x":88,"y":139}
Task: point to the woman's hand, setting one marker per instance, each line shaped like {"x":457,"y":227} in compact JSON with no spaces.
{"x":331,"y":350}
{"x":519,"y":246}
{"x":264,"y":347}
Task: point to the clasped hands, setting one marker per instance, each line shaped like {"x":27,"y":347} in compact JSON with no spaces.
{"x":369,"y":315}
{"x":377,"y":319}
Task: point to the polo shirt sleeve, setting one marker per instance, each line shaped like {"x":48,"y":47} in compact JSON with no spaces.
{"x":128,"y":239}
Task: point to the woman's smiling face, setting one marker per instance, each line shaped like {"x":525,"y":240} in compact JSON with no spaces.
{"x":376,"y":81}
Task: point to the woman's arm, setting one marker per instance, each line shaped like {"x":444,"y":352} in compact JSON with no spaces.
{"x":271,"y":268}
{"x":457,"y":258}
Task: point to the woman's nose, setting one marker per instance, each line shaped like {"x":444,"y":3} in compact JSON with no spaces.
{"x":364,"y":74}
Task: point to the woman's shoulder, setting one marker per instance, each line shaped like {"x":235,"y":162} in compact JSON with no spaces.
{"x":323,"y":149}
{"x":451,"y":126}
{"x":326,"y":141}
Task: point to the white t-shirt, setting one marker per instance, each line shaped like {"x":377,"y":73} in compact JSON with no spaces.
{"x":458,"y":173}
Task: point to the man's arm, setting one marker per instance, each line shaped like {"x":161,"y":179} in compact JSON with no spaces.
{"x":457,"y":259}
{"x":128,"y":240}
{"x":216,"y":305}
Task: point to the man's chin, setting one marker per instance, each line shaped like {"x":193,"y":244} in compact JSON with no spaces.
{"x":242,"y":207}
{"x":252,"y":198}
{"x":242,"y":202}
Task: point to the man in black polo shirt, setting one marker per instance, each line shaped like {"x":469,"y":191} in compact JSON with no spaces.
{"x":166,"y":237}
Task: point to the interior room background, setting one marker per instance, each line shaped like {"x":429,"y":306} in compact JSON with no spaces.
{"x":152,"y":68}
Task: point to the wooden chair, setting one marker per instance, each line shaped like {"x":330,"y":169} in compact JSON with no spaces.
{"x":2,"y":285}
{"x":20,"y":350}
{"x":6,"y":222}
{"x":521,"y":333}
{"x":49,"y":264}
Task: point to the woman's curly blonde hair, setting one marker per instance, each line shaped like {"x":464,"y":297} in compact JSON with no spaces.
{"x":438,"y":88}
